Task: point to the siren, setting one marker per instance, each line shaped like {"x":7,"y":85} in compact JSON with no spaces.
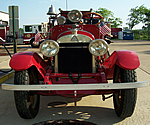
{"x":51,"y":11}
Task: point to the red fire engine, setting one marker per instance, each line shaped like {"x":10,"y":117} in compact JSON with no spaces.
{"x":114,"y":32}
{"x":5,"y":35}
{"x":28,"y":37}
{"x":29,"y":33}
{"x":30,"y":30}
{"x":76,"y":62}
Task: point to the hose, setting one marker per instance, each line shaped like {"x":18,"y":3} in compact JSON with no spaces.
{"x":8,"y":54}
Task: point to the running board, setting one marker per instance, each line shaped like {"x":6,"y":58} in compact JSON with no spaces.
{"x":99,"y":86}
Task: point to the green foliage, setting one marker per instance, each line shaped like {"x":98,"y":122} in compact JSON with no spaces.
{"x":146,"y":20}
{"x":137,"y":15}
{"x":109,"y":17}
{"x":141,"y":34}
{"x":125,"y":28}
{"x":21,"y":30}
{"x":116,"y":22}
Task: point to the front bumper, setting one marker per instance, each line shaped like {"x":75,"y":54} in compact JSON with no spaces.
{"x":99,"y":86}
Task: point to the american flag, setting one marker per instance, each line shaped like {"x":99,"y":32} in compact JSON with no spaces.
{"x":104,"y":29}
{"x":37,"y":36}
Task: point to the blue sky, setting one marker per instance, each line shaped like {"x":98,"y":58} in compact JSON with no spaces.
{"x":34,"y":11}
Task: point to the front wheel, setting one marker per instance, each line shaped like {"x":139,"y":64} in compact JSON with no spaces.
{"x":32,"y":42}
{"x":27,"y":102}
{"x":125,"y":99}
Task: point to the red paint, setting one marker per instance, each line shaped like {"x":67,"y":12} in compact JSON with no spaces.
{"x":114,"y":32}
{"x":3,"y":33}
{"x":24,"y":60}
{"x":125,"y":59}
{"x":56,"y":75}
{"x":89,"y":30}
{"x":81,"y":32}
{"x":65,"y":13}
{"x":128,"y":60}
{"x":27,"y":37}
{"x":70,"y":93}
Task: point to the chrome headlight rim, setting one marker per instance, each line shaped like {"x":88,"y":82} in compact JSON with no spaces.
{"x":73,"y":11}
{"x":61,"y":20}
{"x":49,"y":42}
{"x":100,"y":41}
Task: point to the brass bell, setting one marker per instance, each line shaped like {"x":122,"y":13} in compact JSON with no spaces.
{"x":51,"y":11}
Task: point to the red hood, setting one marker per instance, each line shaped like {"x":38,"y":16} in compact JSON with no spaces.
{"x":81,"y":32}
{"x":91,"y":31}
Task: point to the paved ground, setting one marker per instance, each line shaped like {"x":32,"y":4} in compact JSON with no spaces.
{"x":90,"y":108}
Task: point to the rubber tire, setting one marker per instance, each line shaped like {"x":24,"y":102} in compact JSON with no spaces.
{"x":27,"y":102}
{"x":125,"y":99}
{"x":33,"y":46}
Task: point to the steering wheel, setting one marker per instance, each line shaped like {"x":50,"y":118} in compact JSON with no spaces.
{"x":93,"y":13}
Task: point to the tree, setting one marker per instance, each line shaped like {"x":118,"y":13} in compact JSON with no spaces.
{"x":109,"y":17}
{"x":146,"y":21}
{"x":21,"y":30}
{"x":125,"y":28}
{"x":116,"y":22}
{"x":136,"y":16}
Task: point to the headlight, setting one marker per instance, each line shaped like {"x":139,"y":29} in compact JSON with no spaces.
{"x":61,"y":20}
{"x":49,"y":48}
{"x":98,"y":47}
{"x":74,"y":16}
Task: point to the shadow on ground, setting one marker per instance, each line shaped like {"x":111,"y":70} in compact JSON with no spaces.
{"x":146,"y":52}
{"x":88,"y":114}
{"x":63,"y":113}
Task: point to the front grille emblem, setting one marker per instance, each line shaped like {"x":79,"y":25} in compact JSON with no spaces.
{"x":74,"y":38}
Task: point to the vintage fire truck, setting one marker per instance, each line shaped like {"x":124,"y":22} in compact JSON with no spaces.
{"x":30,"y":30}
{"x":75,"y":63}
{"x":5,"y":36}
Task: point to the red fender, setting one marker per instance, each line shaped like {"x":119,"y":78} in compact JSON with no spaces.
{"x":24,"y":60}
{"x":125,"y":59}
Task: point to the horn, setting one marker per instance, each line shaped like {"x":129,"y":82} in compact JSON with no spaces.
{"x":51,"y":11}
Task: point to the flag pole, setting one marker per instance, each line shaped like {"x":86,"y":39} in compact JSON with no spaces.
{"x":66,"y":5}
{"x":39,"y":33}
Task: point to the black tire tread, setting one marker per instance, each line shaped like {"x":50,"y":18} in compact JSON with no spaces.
{"x":21,"y":97}
{"x":31,"y":42}
{"x":128,"y":96}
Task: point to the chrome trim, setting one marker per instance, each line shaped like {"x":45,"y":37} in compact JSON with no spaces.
{"x":48,"y":48}
{"x":2,"y":39}
{"x":79,"y":15}
{"x":62,"y":33}
{"x":36,"y":43}
{"x":73,"y":47}
{"x":61,"y":20}
{"x":91,"y":86}
{"x":26,"y":39}
{"x":56,"y":64}
{"x":74,"y":31}
{"x":98,"y":48}
{"x":93,"y":64}
{"x":68,"y":39}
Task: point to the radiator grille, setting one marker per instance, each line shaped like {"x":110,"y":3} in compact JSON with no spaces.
{"x":74,"y":60}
